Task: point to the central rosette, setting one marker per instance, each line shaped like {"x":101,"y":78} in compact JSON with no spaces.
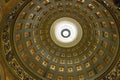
{"x":66,"y":32}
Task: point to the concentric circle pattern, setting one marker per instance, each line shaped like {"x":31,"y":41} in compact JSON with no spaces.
{"x":36,"y":52}
{"x":66,"y":32}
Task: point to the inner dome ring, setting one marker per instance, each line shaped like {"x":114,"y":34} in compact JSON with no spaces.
{"x":73,"y":33}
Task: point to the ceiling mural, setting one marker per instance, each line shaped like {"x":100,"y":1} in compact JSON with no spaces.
{"x":60,"y":40}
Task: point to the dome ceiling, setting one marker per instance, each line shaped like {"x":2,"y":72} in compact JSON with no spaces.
{"x":38,"y":40}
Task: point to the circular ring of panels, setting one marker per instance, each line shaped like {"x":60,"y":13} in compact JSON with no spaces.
{"x":35,"y":48}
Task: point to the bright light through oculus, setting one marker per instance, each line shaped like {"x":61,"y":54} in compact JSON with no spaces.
{"x":66,"y":32}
